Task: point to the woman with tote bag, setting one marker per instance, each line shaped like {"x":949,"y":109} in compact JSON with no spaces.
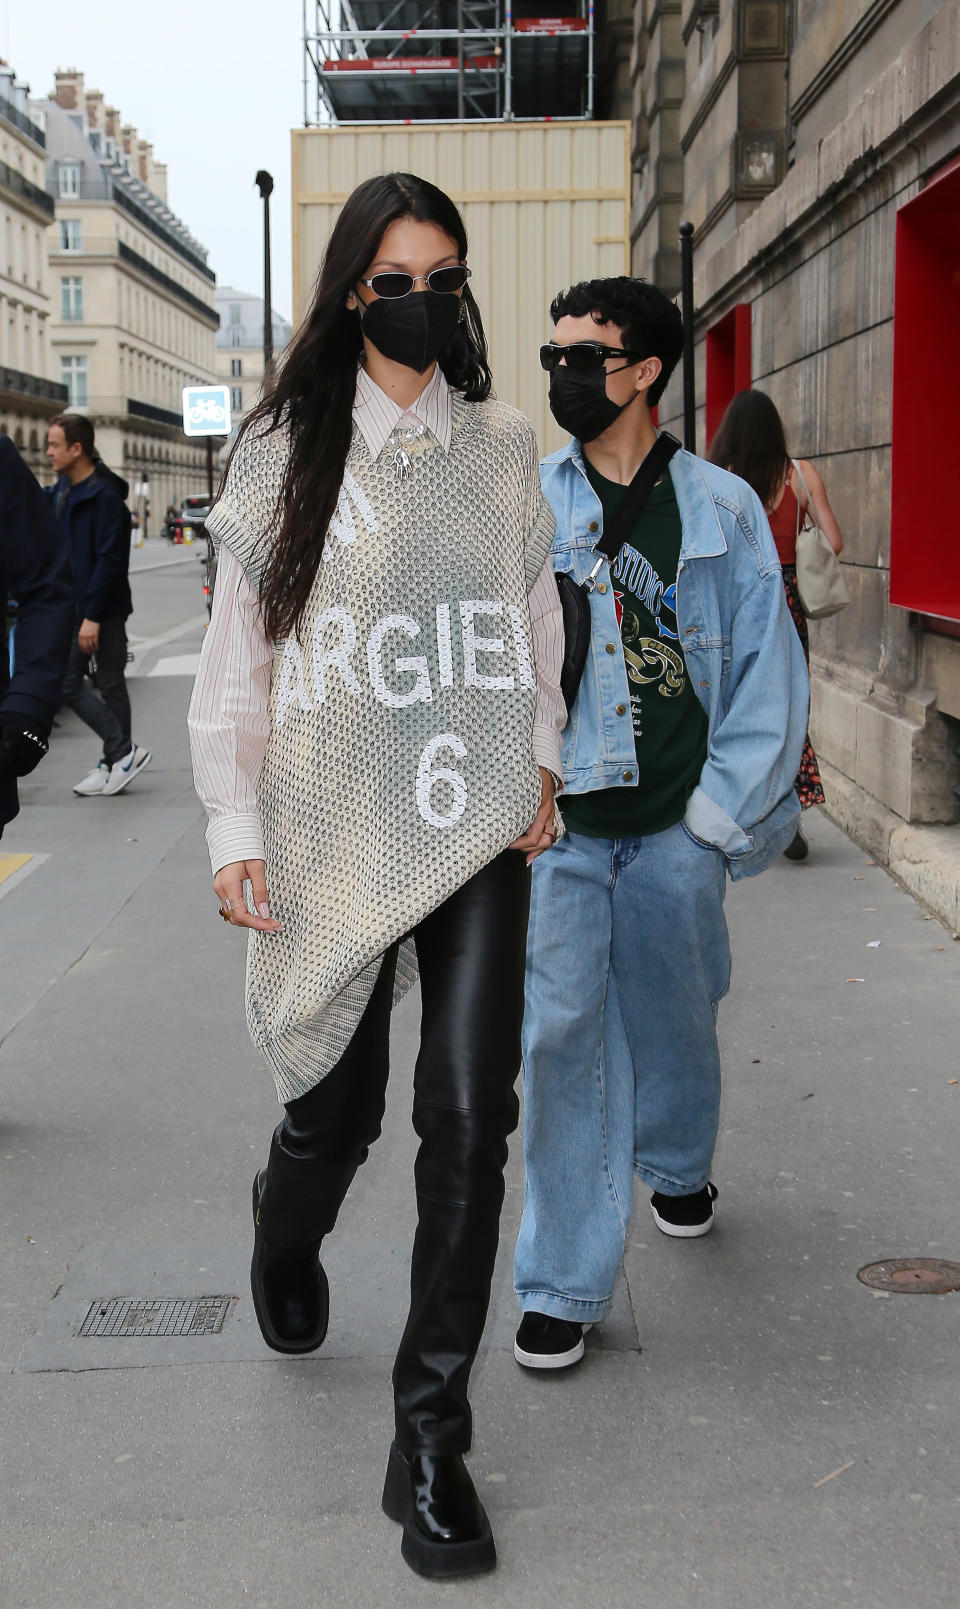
{"x":751,"y":442}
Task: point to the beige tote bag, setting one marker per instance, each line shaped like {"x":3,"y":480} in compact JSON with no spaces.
{"x":820,"y":583}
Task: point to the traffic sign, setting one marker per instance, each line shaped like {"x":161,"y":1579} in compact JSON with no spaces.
{"x":206,"y":410}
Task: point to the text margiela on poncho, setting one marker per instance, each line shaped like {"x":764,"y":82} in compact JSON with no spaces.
{"x":400,"y":759}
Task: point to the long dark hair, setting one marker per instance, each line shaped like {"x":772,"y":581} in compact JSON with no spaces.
{"x":751,"y":442}
{"x":313,"y":393}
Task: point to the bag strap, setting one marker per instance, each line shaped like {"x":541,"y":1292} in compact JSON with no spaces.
{"x":636,"y":495}
{"x":810,"y":509}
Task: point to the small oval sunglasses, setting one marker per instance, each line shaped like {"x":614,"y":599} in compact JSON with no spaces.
{"x":585,"y":356}
{"x":447,"y":281}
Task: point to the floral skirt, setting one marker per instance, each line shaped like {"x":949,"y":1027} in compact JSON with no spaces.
{"x":808,"y":786}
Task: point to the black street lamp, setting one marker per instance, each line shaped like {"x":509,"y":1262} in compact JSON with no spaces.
{"x":264,"y":183}
{"x":686,"y":311}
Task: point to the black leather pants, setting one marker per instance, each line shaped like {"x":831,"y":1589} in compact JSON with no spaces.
{"x":471,"y":958}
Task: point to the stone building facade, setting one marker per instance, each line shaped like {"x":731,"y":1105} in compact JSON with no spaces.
{"x":27,"y":395}
{"x":239,"y":355}
{"x":815,"y":148}
{"x":134,"y":317}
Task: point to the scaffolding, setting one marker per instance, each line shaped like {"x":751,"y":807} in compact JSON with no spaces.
{"x":414,"y":61}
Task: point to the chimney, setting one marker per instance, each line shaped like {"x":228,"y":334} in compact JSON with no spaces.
{"x":160,"y":180}
{"x":128,"y":135}
{"x":69,"y":89}
{"x":146,"y":165}
{"x":95,"y":109}
{"x":112,"y":116}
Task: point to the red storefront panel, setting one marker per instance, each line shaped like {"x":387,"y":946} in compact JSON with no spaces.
{"x":729,"y":363}
{"x":924,"y":485}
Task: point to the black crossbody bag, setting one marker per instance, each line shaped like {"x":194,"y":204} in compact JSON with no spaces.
{"x":575,"y":595}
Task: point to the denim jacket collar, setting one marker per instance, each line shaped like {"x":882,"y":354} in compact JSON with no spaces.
{"x":703,"y":536}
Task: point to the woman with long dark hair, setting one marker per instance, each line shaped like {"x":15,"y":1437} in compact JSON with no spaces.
{"x":375,"y":732}
{"x":752,"y":443}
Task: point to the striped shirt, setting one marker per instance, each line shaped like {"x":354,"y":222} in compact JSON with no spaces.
{"x":229,"y":713}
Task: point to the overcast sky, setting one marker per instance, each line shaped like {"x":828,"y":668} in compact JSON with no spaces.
{"x":215,"y":87}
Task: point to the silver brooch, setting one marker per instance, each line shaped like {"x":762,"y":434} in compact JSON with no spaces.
{"x":399,"y":440}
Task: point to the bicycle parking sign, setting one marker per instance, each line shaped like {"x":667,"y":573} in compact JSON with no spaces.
{"x":206,"y":410}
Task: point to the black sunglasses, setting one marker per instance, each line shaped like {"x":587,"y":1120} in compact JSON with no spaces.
{"x":447,"y":281}
{"x":585,"y":356}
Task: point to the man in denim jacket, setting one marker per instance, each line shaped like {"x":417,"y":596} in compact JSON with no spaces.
{"x":678,"y":759}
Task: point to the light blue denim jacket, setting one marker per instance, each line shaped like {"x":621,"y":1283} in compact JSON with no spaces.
{"x":743,"y":657}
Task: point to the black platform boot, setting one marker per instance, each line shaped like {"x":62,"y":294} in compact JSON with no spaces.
{"x":296,"y":1200}
{"x":459,"y":1196}
{"x":446,"y":1532}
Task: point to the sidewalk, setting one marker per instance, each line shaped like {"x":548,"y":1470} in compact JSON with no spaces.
{"x":755,"y":1430}
{"x":925,"y":859}
{"x":159,"y":554}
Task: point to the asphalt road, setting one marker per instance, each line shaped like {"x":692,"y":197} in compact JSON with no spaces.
{"x":755,"y":1429}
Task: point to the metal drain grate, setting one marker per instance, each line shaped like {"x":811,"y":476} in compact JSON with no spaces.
{"x":128,"y":1316}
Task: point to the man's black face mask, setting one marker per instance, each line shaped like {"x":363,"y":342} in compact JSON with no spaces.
{"x":579,"y":402}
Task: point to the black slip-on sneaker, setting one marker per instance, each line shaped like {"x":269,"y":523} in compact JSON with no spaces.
{"x":685,"y":1217}
{"x":548,"y":1343}
{"x":798,"y":848}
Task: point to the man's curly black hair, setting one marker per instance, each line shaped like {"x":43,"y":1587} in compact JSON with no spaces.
{"x":650,"y":322}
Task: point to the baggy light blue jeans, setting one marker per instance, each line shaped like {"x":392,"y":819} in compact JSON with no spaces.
{"x":627,"y":960}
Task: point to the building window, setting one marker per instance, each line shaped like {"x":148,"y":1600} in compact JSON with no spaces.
{"x":69,"y":178}
{"x":71,"y":234}
{"x":236,"y":336}
{"x":73,"y":374}
{"x":236,"y":368}
{"x":235,"y":312}
{"x":236,"y":398}
{"x":71,"y":299}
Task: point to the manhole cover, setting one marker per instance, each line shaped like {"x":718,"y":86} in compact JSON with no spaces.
{"x":199,"y":1315}
{"x":928,"y":1276}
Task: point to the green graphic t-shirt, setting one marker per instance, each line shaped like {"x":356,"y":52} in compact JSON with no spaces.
{"x":669,"y":722}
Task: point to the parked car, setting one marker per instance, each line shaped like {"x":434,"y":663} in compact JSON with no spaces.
{"x":181,"y":524}
{"x":193,"y":514}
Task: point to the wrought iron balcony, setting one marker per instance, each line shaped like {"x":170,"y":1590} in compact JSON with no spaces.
{"x":158,"y":416}
{"x":201,"y":309}
{"x":15,"y":182}
{"x":15,"y":383}
{"x":20,"y":120}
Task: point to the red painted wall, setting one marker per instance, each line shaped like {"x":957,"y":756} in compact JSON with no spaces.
{"x":729,"y":363}
{"x":924,"y":483}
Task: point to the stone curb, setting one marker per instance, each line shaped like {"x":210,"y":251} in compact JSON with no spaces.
{"x":163,"y":564}
{"x":925,"y":859}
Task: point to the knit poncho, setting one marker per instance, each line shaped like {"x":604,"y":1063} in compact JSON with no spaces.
{"x":400,"y":759}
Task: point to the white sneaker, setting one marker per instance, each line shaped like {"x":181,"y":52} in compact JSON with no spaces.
{"x":124,"y":771}
{"x":95,"y":782}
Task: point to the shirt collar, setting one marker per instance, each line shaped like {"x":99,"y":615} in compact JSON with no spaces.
{"x":376,"y":415}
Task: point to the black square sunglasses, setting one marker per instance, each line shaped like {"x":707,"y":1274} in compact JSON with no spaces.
{"x":447,"y":281}
{"x":584,"y":357}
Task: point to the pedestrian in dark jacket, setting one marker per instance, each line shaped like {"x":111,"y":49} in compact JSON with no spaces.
{"x":35,"y":571}
{"x":97,"y":524}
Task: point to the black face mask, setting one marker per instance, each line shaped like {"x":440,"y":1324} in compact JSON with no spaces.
{"x":412,"y":330}
{"x":579,"y":402}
